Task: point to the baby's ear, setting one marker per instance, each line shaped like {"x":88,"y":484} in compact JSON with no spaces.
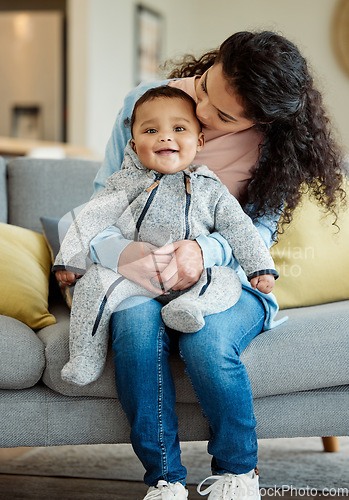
{"x":133,"y":146}
{"x":201,"y":142}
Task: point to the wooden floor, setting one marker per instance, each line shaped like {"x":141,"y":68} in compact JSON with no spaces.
{"x":15,"y":487}
{"x":21,"y":487}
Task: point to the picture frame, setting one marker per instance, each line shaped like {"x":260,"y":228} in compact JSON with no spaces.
{"x":149,"y":43}
{"x":26,"y":122}
{"x":340,"y":34}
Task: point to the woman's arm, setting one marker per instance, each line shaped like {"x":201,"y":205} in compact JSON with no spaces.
{"x":212,"y":250}
{"x":216,"y":250}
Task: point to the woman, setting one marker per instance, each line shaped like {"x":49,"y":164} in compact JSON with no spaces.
{"x":267,"y":138}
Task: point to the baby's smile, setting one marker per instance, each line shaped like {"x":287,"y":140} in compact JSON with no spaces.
{"x":166,"y":151}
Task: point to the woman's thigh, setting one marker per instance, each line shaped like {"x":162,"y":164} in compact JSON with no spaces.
{"x":137,"y":329}
{"x":225,"y":335}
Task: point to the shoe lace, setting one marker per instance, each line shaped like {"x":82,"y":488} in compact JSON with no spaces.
{"x":163,"y":491}
{"x":224,"y":487}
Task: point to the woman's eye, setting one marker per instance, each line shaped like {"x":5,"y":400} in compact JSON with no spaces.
{"x":223,"y":119}
{"x":204,"y":84}
{"x":178,"y":129}
{"x":151,"y":131}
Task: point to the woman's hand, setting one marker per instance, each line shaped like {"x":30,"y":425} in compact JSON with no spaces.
{"x":185,"y":267}
{"x":138,"y":263}
{"x":177,"y":266}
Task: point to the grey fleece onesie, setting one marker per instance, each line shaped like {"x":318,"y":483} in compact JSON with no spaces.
{"x":156,"y":208}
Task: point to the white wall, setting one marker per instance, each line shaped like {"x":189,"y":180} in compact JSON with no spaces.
{"x":100,"y":60}
{"x":308,"y":23}
{"x":101,"y":66}
{"x":31,"y":60}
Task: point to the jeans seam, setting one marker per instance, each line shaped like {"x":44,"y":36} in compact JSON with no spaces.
{"x":191,"y":382}
{"x":252,"y":416}
{"x":164,"y":464}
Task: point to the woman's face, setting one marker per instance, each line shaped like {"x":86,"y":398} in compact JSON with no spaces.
{"x":218,"y":108}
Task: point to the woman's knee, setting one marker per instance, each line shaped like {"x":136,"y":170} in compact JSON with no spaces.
{"x":206,"y":353}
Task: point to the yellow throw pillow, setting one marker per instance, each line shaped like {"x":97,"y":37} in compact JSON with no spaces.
{"x":24,"y":276}
{"x":312,"y":258}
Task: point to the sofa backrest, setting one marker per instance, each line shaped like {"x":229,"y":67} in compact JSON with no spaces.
{"x":47,"y":188}
{"x":3,"y":195}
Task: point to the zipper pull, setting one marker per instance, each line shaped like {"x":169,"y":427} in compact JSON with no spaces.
{"x":187,"y":185}
{"x":156,"y":183}
{"x":153,"y":186}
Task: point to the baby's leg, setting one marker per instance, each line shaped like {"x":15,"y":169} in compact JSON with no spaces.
{"x":96,"y":296}
{"x":217,"y":289}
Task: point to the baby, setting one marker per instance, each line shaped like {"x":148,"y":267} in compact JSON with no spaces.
{"x":159,"y":197}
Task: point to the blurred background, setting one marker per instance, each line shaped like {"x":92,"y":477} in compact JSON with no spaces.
{"x":66,"y":65}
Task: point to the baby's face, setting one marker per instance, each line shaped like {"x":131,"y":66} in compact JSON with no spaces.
{"x":166,"y":135}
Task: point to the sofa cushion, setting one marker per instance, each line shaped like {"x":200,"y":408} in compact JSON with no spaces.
{"x":47,"y":188}
{"x":24,"y":276}
{"x":22,"y":355}
{"x":310,"y":351}
{"x":311,"y":257}
{"x":41,"y":417}
{"x":3,"y":191}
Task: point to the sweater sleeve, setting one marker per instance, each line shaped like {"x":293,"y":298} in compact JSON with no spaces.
{"x":97,"y":215}
{"x":217,"y":251}
{"x":248,"y":246}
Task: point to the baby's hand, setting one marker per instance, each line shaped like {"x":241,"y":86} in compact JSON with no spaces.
{"x":66,"y":277}
{"x":264,"y":283}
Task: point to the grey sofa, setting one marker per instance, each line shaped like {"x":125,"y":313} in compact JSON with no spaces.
{"x":299,"y":371}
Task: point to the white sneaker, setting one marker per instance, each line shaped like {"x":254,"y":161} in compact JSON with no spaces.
{"x":232,"y":487}
{"x":167,"y":491}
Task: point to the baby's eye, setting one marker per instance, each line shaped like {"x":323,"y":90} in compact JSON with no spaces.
{"x":179,"y":129}
{"x":151,"y":131}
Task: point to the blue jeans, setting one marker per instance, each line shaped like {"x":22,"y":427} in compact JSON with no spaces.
{"x":142,"y":344}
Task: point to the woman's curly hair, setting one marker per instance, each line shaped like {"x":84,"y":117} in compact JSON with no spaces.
{"x":272,"y":79}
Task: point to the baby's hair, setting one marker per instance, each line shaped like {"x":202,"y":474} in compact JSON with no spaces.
{"x":159,"y":92}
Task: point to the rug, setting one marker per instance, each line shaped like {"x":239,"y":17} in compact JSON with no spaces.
{"x":298,"y":463}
